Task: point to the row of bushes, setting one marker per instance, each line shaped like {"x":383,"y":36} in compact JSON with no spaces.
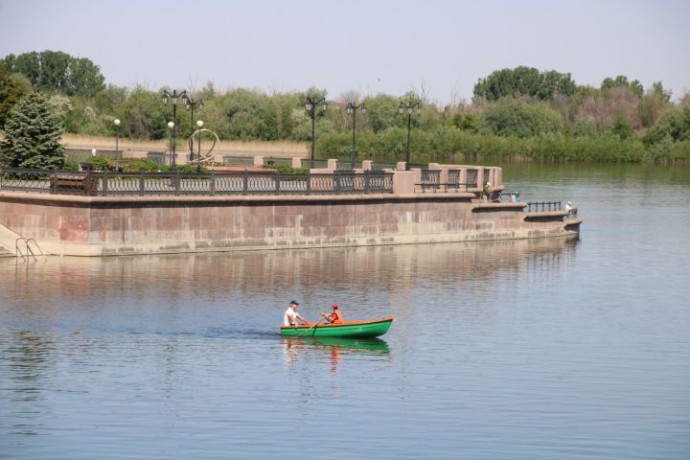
{"x":450,"y":145}
{"x":145,"y":165}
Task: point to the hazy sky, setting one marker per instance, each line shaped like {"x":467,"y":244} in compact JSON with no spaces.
{"x":392,"y":46}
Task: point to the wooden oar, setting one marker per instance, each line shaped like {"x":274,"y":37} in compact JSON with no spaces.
{"x":312,"y":327}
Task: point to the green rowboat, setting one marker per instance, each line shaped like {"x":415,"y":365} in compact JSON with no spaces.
{"x":347,"y":329}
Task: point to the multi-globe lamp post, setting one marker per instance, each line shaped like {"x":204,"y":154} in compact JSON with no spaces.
{"x":173,"y":97}
{"x":191,"y":103}
{"x":310,"y":105}
{"x":352,"y":110}
{"x":409,"y":108}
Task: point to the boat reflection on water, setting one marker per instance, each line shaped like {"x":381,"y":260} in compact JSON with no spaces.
{"x":335,"y":348}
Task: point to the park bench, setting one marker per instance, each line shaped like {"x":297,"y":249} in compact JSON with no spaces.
{"x":74,"y":184}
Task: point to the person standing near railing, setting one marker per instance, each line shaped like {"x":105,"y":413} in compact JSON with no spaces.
{"x":572,"y":211}
{"x":486,"y":191}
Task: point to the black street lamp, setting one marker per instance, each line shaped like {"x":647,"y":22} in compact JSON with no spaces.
{"x":174,"y":97}
{"x":116,"y":122}
{"x":172,"y":127}
{"x":352,"y":110}
{"x":409,"y":108}
{"x":310,"y":106}
{"x":191,"y":103}
{"x":200,"y":125}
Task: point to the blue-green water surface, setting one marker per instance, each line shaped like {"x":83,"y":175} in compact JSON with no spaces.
{"x":510,"y":350}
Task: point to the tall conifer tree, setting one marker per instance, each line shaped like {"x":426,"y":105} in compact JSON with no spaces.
{"x":32,"y":136}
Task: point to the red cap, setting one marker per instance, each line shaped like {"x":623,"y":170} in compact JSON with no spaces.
{"x":334,"y":305}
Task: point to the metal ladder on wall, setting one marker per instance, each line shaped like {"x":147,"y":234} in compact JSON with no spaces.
{"x":27,"y":247}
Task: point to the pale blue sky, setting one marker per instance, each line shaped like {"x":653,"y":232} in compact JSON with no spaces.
{"x":367,"y":46}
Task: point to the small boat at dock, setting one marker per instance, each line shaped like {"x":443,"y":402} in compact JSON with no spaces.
{"x":346,"y":329}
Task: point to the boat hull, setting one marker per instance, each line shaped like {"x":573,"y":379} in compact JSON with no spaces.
{"x":348,"y":329}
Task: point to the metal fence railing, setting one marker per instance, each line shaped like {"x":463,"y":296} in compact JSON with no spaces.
{"x":544,"y":206}
{"x":266,"y":182}
{"x":431,"y":181}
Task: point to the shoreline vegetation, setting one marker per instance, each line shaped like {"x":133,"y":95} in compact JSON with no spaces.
{"x":515,"y":114}
{"x":554,"y":149}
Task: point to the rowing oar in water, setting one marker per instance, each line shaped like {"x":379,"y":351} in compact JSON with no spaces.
{"x":312,"y":327}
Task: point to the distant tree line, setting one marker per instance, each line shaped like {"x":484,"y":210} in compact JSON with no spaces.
{"x":515,"y":113}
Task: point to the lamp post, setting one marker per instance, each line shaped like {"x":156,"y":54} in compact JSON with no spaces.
{"x":200,"y":125}
{"x":310,"y":106}
{"x":174,"y":97}
{"x":352,"y":110}
{"x":171,"y":127}
{"x":116,"y":122}
{"x":409,"y":108}
{"x":191,"y":103}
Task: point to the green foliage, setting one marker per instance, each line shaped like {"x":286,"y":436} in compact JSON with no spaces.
{"x":191,"y":169}
{"x":467,"y":122}
{"x":70,"y":165}
{"x":621,"y":81}
{"x":517,"y":113}
{"x":652,"y":105}
{"x":335,"y":145}
{"x":144,"y":165}
{"x":248,"y":115}
{"x":58,"y":71}
{"x":391,"y":144}
{"x":674,"y":124}
{"x":285,"y":169}
{"x":524,"y":80}
{"x":622,"y":129}
{"x":511,"y":118}
{"x":382,"y":113}
{"x":144,"y":116}
{"x":32,"y":136}
{"x":583,"y":128}
{"x":97,"y":163}
{"x":11,"y":91}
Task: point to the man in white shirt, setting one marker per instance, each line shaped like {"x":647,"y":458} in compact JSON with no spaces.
{"x":291,"y":316}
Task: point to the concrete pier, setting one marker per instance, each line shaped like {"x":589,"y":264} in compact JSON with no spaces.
{"x":127,"y":225}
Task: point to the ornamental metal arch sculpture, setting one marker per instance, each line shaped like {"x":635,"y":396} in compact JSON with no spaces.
{"x":199,"y":157}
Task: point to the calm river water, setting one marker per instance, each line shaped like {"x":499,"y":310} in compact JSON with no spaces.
{"x":513,"y":350}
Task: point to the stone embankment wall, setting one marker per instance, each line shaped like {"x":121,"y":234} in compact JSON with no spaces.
{"x":101,"y":225}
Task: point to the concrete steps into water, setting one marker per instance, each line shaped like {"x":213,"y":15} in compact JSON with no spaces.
{"x":8,"y":241}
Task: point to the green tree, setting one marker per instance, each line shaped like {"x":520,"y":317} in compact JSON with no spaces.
{"x":249,"y":115}
{"x":512,"y":118}
{"x":300,"y":120}
{"x":32,"y":136}
{"x":11,"y":92}
{"x":674,"y":124}
{"x":524,"y":80}
{"x":382,"y":112}
{"x":58,"y":71}
{"x":84,"y":78}
{"x":653,"y":104}
{"x":144,"y":115}
{"x":622,"y":81}
{"x":622,"y":129}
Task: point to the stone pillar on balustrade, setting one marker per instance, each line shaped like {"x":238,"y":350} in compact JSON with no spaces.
{"x":403,"y":180}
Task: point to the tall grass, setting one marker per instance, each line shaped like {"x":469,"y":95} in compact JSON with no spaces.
{"x":284,"y":149}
